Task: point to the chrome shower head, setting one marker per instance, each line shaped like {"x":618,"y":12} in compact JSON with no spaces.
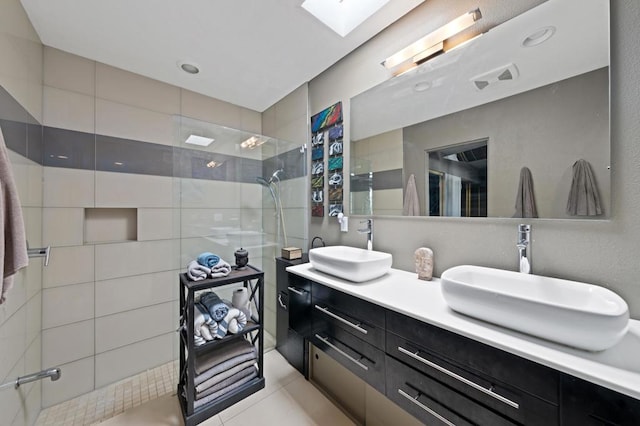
{"x":276,"y":175}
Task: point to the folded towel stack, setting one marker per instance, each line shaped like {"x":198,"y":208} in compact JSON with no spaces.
{"x":207,"y":265}
{"x":197,"y":272}
{"x":208,"y":259}
{"x":223,"y":370}
{"x":214,"y":317}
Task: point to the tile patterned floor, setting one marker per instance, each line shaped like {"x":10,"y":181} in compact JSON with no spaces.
{"x":110,"y":401}
{"x":114,"y":399}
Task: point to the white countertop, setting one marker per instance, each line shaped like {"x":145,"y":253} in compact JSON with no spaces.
{"x":617,"y":368}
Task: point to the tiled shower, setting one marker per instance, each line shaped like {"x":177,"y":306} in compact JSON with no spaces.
{"x":106,"y":180}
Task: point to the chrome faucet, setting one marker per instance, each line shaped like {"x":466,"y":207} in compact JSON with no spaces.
{"x":369,"y":231}
{"x":524,"y":249}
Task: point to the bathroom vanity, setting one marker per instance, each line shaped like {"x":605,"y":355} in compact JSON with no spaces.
{"x":398,"y":335}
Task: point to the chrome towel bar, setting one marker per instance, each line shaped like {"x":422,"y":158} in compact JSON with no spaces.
{"x":39,"y":252}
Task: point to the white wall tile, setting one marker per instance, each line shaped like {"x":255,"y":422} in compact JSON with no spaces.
{"x":130,"y":122}
{"x":63,"y":226}
{"x":126,"y":361}
{"x":209,"y":109}
{"x":12,"y":341}
{"x":10,"y":400}
{"x":134,"y":89}
{"x":135,"y":258}
{"x":132,"y":190}
{"x":76,"y":379}
{"x":215,"y":223}
{"x":68,"y":187}
{"x":61,"y":345}
{"x":123,"y":294}
{"x":251,"y":196}
{"x":69,"y":265}
{"x":68,"y":71}
{"x":33,"y":225}
{"x":114,"y":331}
{"x":158,"y":224}
{"x":250,"y":121}
{"x":28,"y":179}
{"x":34,"y":317}
{"x":68,"y":110}
{"x":67,"y":304}
{"x":199,"y":193}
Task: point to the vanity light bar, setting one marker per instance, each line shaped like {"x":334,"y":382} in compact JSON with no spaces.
{"x":429,"y":42}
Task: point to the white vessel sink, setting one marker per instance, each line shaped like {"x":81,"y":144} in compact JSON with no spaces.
{"x":350,"y":263}
{"x":576,"y":314}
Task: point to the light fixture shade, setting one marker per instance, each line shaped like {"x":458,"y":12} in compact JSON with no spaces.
{"x":342,"y":16}
{"x":427,"y":42}
{"x":198,"y":140}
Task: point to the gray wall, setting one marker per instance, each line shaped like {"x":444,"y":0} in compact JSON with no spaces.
{"x":546,"y":130}
{"x":603,"y":252}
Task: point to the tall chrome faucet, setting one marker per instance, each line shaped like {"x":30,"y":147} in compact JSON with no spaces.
{"x":369,"y":231}
{"x":524,"y":251}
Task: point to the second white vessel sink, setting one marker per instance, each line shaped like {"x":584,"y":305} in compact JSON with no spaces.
{"x":350,"y":263}
{"x":580,"y":315}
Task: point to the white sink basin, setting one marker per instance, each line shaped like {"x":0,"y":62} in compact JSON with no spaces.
{"x":576,"y":314}
{"x":350,"y":263}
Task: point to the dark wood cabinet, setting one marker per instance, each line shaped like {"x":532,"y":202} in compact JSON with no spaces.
{"x":293,"y":320}
{"x":587,"y":404}
{"x":443,"y":378}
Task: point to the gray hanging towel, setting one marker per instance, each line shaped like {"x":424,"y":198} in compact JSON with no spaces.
{"x":525,"y":200}
{"x":584,"y":198}
{"x":13,"y":242}
{"x":411,"y":205}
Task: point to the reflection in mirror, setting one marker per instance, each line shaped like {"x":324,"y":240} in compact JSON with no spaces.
{"x":541,"y":102}
{"x":458,"y":180}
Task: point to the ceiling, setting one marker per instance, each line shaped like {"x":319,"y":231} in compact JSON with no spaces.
{"x":250,"y":53}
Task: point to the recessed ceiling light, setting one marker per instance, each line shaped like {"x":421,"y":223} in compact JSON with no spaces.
{"x":343,"y":16}
{"x":188,"y":67}
{"x":199,"y":140}
{"x":539,"y":36}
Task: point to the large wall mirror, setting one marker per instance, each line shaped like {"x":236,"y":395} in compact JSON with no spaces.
{"x":504,"y":118}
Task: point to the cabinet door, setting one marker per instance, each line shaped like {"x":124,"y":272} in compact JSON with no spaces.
{"x":299,"y":305}
{"x":588,"y":404}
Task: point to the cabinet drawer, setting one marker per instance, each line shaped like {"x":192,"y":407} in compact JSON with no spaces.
{"x":477,"y":357}
{"x":511,"y":402}
{"x":588,"y":404}
{"x":364,"y":360}
{"x":433,"y":402}
{"x":327,"y":315}
{"x":365,"y":311}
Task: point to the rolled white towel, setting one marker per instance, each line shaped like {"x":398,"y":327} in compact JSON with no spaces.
{"x":205,"y":333}
{"x":220,"y":269}
{"x":197,"y":272}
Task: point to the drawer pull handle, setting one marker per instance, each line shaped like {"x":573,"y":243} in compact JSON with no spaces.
{"x":343,"y":353}
{"x":467,"y":382}
{"x":296,"y":291}
{"x":282,"y":305}
{"x":342,"y":320}
{"x":425,"y":408}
